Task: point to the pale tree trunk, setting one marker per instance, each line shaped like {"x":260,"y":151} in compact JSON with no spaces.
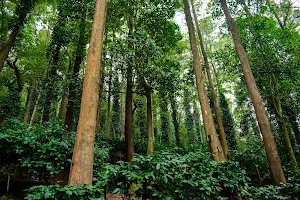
{"x":28,"y":105}
{"x":282,"y":122}
{"x":263,"y":121}
{"x":83,"y":156}
{"x":211,"y":134}
{"x":107,"y":123}
{"x":212,"y":89}
{"x":129,"y":98}
{"x":35,"y":109}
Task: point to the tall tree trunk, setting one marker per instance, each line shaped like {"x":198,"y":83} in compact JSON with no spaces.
{"x":175,"y":119}
{"x":150,"y":125}
{"x":212,"y":89}
{"x":123,"y":102}
{"x":282,"y":122}
{"x":264,"y":125}
{"x":129,"y":97}
{"x":107,"y":123}
{"x":211,"y":135}
{"x":83,"y":156}
{"x":79,"y":57}
{"x":28,"y":105}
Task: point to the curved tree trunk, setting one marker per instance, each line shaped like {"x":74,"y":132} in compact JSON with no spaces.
{"x":83,"y":156}
{"x":28,"y":105}
{"x":212,"y":89}
{"x":211,"y":134}
{"x":264,"y":125}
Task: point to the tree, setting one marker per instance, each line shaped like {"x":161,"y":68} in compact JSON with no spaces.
{"x":21,"y":13}
{"x":212,"y":89}
{"x":228,"y":122}
{"x":270,"y":145}
{"x":83,"y":157}
{"x":211,"y":135}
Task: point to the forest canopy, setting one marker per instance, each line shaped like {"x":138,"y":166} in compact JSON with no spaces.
{"x":149,"y":99}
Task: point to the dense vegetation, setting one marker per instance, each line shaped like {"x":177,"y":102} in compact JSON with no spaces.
{"x":119,"y":99}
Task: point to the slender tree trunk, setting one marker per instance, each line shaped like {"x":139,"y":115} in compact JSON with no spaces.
{"x":83,"y":156}
{"x":150,"y":125}
{"x":129,"y":97}
{"x":28,"y":105}
{"x":123,"y":96}
{"x":175,"y":120}
{"x":212,"y":137}
{"x":269,"y":142}
{"x":282,"y":122}
{"x":17,"y":73}
{"x":212,"y":89}
{"x":107,"y":123}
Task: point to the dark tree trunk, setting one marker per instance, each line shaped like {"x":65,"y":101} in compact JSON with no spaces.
{"x":128,"y":109}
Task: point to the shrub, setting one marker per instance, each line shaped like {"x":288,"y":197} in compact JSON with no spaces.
{"x":169,"y":175}
{"x":57,"y":192}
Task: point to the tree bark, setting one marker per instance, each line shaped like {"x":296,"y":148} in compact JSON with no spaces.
{"x":123,"y":96}
{"x":212,"y":137}
{"x":264,"y":125}
{"x":28,"y":105}
{"x":83,"y":156}
{"x":128,"y":110}
{"x":175,"y":120}
{"x":212,"y":89}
